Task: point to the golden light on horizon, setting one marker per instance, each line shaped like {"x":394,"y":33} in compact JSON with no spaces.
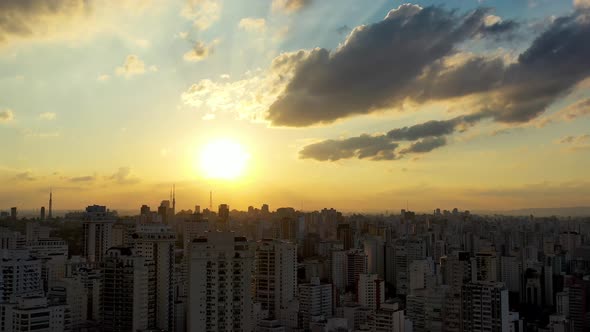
{"x":223,"y":159}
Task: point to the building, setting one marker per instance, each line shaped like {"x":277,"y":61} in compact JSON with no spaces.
{"x":357,"y":264}
{"x":485,"y":307}
{"x":125,"y":289}
{"x":156,"y":242}
{"x":315,"y":302}
{"x":21,"y":275}
{"x":371,"y":291}
{"x":219,"y":283}
{"x":98,"y":231}
{"x":34,"y":314}
{"x":388,"y":318}
{"x":275,"y":275}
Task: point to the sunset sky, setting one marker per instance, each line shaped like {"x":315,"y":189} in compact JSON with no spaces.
{"x":353,"y":104}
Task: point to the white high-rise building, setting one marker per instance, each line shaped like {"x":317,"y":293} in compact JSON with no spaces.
{"x":388,"y":318}
{"x":97,"y":239}
{"x":124,"y":291}
{"x":485,"y":307}
{"x":315,"y":302}
{"x":275,"y":276}
{"x":20,"y":274}
{"x":219,"y":283}
{"x":156,"y":242}
{"x":98,"y":231}
{"x":371,"y":291}
{"x":34,"y":314}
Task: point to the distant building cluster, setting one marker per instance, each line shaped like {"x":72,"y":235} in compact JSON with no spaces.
{"x":287,"y":270}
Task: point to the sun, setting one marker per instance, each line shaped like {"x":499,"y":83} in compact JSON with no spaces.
{"x":223,"y":159}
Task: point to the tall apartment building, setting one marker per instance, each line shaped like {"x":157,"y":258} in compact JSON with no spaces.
{"x":315,"y":301}
{"x":125,"y":291}
{"x":219,"y":283}
{"x":275,"y":275}
{"x":20,"y":274}
{"x":485,"y":307}
{"x":357,"y":264}
{"x":156,"y":242}
{"x":371,"y":291}
{"x":98,"y":231}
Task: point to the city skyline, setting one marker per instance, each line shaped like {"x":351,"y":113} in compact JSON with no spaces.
{"x":480,"y":105}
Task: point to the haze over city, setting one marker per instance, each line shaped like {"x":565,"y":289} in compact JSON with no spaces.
{"x":358,"y":105}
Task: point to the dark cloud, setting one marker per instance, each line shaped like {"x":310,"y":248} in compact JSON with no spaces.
{"x":412,"y":54}
{"x":375,"y":68}
{"x":361,"y":147}
{"x":87,"y":178}
{"x":434,"y":128}
{"x":426,"y":145}
{"x":426,"y":137}
{"x":26,"y":18}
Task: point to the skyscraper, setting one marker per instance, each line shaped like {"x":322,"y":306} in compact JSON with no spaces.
{"x":156,"y":242}
{"x":275,"y":275}
{"x":485,"y":307}
{"x":124,"y":291}
{"x":315,"y":301}
{"x":97,"y":238}
{"x":220,"y":276}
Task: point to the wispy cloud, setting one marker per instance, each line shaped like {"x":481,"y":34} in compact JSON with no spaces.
{"x":252,"y":24}
{"x":203,"y":13}
{"x":47,"y":116}
{"x":133,"y":66}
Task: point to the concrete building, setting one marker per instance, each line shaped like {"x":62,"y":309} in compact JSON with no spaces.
{"x":388,"y":318}
{"x":34,"y":314}
{"x":219,"y":286}
{"x":275,"y":275}
{"x":315,"y":302}
{"x":156,"y":242}
{"x":124,"y":295}
{"x":371,"y":291}
{"x":485,"y":307}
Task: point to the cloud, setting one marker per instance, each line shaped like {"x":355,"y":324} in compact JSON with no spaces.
{"x":87,"y":178}
{"x":103,"y":78}
{"x":203,"y":13}
{"x":578,"y":109}
{"x":412,"y":56}
{"x":124,"y":176}
{"x":426,"y":137}
{"x":582,"y":3}
{"x":133,"y":66}
{"x":375,"y":68}
{"x":6,"y":115}
{"x":199,"y":52}
{"x":576,"y":143}
{"x":30,"y":18}
{"x":425,"y":145}
{"x":361,"y":147}
{"x":252,"y":24}
{"x":289,"y":6}
{"x":249,"y":96}
{"x":25,"y":176}
{"x":47,"y":116}
{"x":61,"y":19}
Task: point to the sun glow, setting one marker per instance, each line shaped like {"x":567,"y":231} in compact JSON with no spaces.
{"x":223,"y":159}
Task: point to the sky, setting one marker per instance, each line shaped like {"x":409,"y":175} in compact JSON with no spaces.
{"x":358,"y":105}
